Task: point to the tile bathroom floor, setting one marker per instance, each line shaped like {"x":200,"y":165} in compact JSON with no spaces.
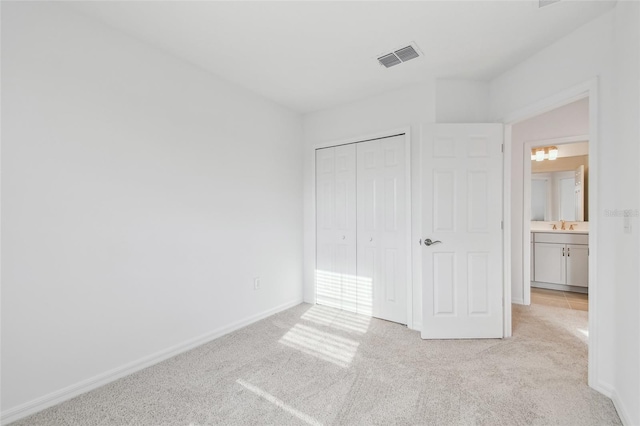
{"x":560,"y":299}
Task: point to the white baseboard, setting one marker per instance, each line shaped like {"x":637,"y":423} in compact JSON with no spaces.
{"x":603,"y":388}
{"x":102,"y":379}
{"x":517,"y":301}
{"x":610,"y":392}
{"x":623,"y":413}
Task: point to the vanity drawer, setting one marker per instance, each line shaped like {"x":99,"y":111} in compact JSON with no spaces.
{"x":561,"y":238}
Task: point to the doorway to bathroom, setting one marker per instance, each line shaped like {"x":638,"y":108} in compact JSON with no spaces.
{"x":555,"y":212}
{"x":556,"y":222}
{"x":545,"y":145}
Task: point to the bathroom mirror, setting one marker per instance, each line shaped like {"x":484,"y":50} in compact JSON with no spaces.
{"x":559,"y":191}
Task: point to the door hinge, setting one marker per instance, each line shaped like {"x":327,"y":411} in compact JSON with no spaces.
{"x":502,"y":147}
{"x":502,"y":225}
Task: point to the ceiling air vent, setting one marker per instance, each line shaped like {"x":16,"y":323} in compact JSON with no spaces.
{"x":389,"y":60}
{"x":406,"y":53}
{"x":399,"y":56}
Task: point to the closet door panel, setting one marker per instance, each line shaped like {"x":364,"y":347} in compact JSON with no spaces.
{"x":345,"y":215}
{"x":394,"y":229}
{"x":382,"y":228}
{"x":336,"y":227}
{"x":327,"y":292}
{"x":368,"y":265}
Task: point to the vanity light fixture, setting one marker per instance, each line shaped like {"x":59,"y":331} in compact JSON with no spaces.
{"x":544,"y":153}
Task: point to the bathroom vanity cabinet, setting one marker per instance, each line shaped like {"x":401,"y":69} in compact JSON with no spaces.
{"x":561,"y":259}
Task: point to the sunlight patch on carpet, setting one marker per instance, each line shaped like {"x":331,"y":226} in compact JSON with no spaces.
{"x":325,"y":346}
{"x":340,"y":320}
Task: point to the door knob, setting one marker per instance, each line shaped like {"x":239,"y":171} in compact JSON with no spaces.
{"x":428,"y":242}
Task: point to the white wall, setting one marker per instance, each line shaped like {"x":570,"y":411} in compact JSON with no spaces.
{"x":462,"y":101}
{"x":627,"y":144}
{"x":141,"y":196}
{"x":406,"y":107}
{"x":569,"y":120}
{"x":584,"y":54}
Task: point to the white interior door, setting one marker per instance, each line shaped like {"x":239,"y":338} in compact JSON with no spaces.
{"x":382,"y":229}
{"x":336,"y":227}
{"x":462,"y":214}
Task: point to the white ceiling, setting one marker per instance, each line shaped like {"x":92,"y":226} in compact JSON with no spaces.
{"x":314,"y":55}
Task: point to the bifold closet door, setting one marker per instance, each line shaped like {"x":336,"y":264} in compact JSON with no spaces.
{"x":382,"y":229}
{"x":336,"y":227}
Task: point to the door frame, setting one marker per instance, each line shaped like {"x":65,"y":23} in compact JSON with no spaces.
{"x":526,"y":209}
{"x":406,"y":131}
{"x":588,"y":89}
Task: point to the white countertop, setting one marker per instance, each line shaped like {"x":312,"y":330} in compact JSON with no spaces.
{"x":540,"y":226}
{"x":561,"y":231}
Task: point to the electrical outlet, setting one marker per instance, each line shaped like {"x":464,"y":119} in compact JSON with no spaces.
{"x":256,"y":283}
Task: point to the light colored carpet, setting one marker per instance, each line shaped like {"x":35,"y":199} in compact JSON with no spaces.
{"x":316,"y":365}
